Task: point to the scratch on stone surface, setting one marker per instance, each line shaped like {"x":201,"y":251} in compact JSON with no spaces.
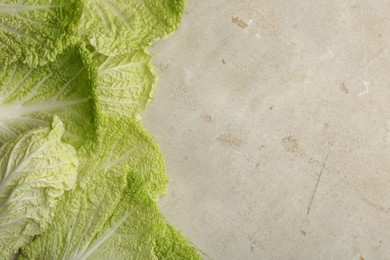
{"x":379,"y":208}
{"x":366,"y":90}
{"x":203,"y":253}
{"x":363,"y":69}
{"x":373,"y":58}
{"x":362,"y":18}
{"x":319,"y":178}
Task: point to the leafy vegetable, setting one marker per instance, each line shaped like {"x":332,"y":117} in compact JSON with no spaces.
{"x":36,"y":30}
{"x":117,"y":27}
{"x":110,"y":214}
{"x":35,"y":169}
{"x":125,"y":145}
{"x":29,"y":97}
{"x":79,"y":175}
{"x":125,"y":83}
{"x":125,"y":230}
{"x":170,"y":244}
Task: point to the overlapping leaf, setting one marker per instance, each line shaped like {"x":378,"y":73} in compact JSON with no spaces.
{"x":35,"y":170}
{"x":29,"y":97}
{"x":110,"y":214}
{"x":47,"y":72}
{"x":36,"y":31}
{"x":117,"y":27}
{"x":125,"y":83}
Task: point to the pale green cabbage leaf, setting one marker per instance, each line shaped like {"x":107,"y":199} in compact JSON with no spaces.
{"x":125,"y":83}
{"x":29,"y":97}
{"x":115,"y":27}
{"x":35,"y":170}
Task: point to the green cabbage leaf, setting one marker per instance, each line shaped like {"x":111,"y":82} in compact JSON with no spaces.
{"x":36,"y":31}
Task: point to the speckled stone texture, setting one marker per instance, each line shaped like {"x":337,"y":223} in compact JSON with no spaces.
{"x":274,"y":118}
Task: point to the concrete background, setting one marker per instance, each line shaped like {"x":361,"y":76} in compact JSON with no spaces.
{"x":274,"y":118}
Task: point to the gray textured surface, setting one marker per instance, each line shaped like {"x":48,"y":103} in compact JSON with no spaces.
{"x":256,"y":100}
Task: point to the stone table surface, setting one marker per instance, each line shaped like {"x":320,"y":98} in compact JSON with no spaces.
{"x":274,"y":119}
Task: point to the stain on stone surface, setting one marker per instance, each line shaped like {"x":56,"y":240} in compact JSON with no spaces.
{"x":326,"y":125}
{"x":229,"y":140}
{"x":379,"y":208}
{"x":378,"y":246}
{"x":206,"y":118}
{"x":181,"y":91}
{"x":343,"y":88}
{"x":255,"y":243}
{"x":355,"y":249}
{"x":290,"y":144}
{"x":161,"y":67}
{"x":223,"y":61}
{"x":355,"y":6}
{"x":240,"y":23}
